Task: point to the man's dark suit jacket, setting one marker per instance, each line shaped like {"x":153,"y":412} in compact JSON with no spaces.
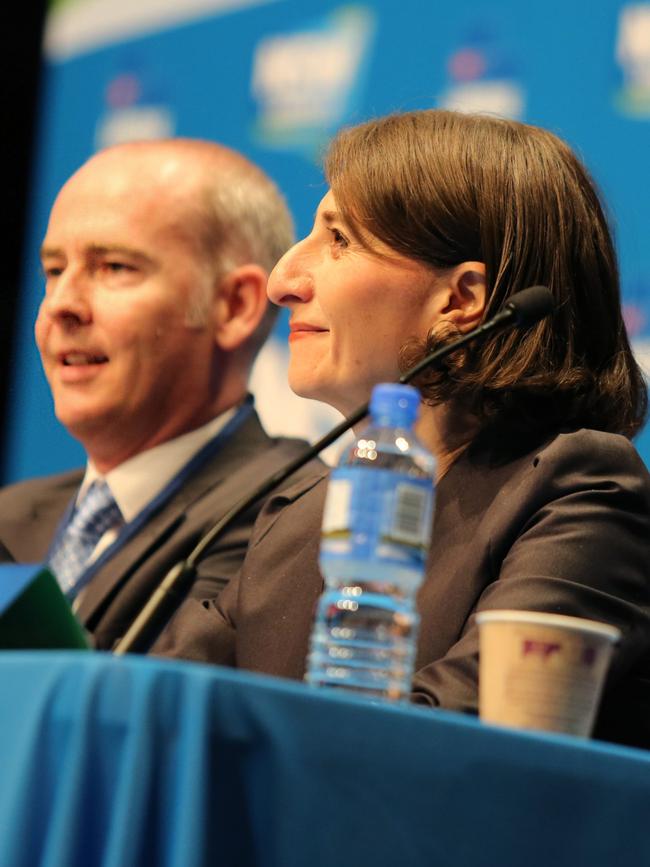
{"x":30,"y":513}
{"x":563,"y":527}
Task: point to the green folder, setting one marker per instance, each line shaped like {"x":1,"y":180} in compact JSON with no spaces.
{"x":34,"y":613}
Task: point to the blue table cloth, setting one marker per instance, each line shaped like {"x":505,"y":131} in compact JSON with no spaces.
{"x":133,"y":761}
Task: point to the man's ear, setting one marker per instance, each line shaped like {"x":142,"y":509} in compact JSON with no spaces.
{"x":240,"y":305}
{"x":464,"y":296}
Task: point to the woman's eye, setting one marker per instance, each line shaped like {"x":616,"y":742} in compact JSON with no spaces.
{"x":338,"y":239}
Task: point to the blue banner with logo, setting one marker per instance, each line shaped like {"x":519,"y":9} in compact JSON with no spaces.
{"x":275,"y":79}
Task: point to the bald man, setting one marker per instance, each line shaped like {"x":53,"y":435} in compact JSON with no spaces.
{"x":156,"y":259}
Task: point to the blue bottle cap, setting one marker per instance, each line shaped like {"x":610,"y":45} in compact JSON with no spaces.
{"x":394,"y":405}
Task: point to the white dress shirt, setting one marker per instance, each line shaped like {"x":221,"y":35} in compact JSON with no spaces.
{"x":136,"y":482}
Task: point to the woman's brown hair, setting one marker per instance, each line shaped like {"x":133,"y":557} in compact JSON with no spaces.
{"x":443,"y":188}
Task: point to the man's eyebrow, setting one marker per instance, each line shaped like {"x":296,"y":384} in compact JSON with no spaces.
{"x":99,"y":250}
{"x":46,"y":252}
{"x":123,"y":249}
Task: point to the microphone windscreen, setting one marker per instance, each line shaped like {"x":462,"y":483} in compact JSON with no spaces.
{"x":530,"y":305}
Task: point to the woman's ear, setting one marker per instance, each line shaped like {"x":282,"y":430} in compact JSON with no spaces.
{"x":465,"y":295}
{"x":240,"y":305}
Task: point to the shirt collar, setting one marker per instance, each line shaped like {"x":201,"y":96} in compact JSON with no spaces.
{"x":136,"y":482}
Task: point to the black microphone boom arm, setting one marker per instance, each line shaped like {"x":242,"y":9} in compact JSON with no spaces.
{"x":521,"y":310}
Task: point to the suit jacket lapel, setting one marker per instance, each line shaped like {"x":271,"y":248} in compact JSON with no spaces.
{"x":173,"y":515}
{"x":277,"y":503}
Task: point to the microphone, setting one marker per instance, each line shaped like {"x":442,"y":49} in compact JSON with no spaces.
{"x":522,"y":310}
{"x":530,"y":305}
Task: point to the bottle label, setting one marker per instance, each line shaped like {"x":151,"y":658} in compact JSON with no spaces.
{"x":377,"y":515}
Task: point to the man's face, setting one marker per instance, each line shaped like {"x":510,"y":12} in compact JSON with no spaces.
{"x":127,"y":362}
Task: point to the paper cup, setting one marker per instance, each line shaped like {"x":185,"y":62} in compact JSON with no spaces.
{"x":542,"y":671}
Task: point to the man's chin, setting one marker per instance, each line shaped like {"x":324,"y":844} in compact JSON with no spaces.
{"x":82,"y":423}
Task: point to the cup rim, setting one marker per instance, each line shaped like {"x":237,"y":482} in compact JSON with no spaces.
{"x":562,"y":621}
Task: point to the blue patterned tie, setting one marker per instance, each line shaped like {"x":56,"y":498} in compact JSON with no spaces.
{"x":94,"y":515}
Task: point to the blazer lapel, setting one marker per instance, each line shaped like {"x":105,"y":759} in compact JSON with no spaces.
{"x":167,"y":522}
{"x":277,"y":503}
{"x":175,"y":518}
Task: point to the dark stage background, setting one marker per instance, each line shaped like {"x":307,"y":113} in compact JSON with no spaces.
{"x":19,"y":87}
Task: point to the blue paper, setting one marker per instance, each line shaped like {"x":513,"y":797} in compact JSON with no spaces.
{"x":14,"y":580}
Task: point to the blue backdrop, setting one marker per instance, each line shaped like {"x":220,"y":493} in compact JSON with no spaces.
{"x":275,"y":78}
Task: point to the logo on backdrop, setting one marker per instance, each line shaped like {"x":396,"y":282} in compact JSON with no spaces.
{"x":483,"y":76}
{"x":633,"y":56}
{"x":73,"y":27}
{"x":306,"y":83}
{"x":135,"y":107}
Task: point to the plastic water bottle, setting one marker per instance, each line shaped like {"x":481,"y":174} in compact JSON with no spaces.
{"x":375,"y":538}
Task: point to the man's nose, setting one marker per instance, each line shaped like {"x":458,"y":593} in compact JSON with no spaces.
{"x":292,"y":278}
{"x":68,"y":297}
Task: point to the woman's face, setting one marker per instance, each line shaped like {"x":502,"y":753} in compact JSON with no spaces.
{"x":352,"y":309}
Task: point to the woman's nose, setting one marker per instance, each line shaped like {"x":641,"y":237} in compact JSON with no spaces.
{"x":292,"y":280}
